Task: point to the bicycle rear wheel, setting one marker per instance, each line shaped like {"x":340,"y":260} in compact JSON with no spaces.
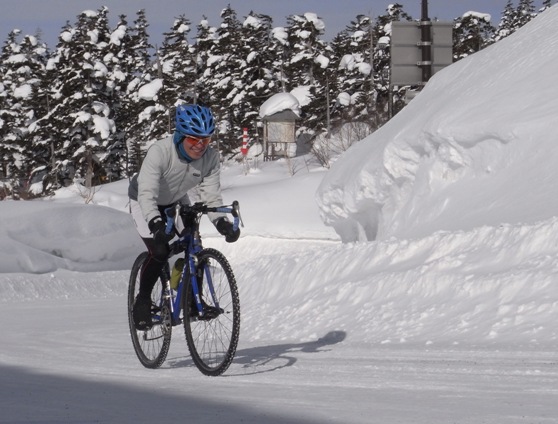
{"x":213,"y":337}
{"x":151,"y":345}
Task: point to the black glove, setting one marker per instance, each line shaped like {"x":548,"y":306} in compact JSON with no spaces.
{"x":225,"y":227}
{"x":157,"y":228}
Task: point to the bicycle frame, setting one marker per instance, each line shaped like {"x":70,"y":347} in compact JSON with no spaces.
{"x":189,"y":242}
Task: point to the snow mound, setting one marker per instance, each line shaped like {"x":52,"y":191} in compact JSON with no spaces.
{"x":483,"y":123}
{"x":44,"y":236}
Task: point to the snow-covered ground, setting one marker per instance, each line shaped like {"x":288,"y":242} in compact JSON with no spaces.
{"x":440,"y":307}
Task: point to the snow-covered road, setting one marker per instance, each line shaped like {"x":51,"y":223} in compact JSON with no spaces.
{"x":72,"y":361}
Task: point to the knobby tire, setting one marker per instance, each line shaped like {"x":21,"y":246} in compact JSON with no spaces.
{"x":212,"y":341}
{"x":151,"y":346}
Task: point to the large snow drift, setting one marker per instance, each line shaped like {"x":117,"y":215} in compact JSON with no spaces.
{"x":484,"y":123}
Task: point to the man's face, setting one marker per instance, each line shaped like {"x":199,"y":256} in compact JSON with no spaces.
{"x":195,"y":147}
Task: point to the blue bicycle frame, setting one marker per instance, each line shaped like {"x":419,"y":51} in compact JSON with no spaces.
{"x":189,"y":242}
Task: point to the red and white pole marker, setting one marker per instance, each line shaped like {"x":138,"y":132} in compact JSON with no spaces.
{"x":244,"y":148}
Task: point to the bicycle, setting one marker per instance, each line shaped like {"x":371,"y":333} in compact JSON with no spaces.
{"x":205,"y":300}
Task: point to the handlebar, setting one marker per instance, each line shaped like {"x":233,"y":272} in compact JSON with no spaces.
{"x":200,"y":208}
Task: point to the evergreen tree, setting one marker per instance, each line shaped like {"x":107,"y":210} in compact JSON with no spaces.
{"x":279,"y":50}
{"x":49,"y":131}
{"x":178,"y":62}
{"x":176,"y":68}
{"x":525,"y":13}
{"x":205,"y":40}
{"x":340,"y":54}
{"x":506,"y":25}
{"x":139,"y":62}
{"x":23,"y":67}
{"x":353,"y":92}
{"x":471,"y":33}
{"x":80,"y":119}
{"x":119,"y":61}
{"x":304,"y":32}
{"x":308,"y":68}
{"x":136,"y":111}
{"x":31,"y":107}
{"x":9,"y":149}
{"x":257,"y":81}
{"x":222,"y":77}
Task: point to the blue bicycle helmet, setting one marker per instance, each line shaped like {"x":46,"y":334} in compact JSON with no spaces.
{"x":194,"y":120}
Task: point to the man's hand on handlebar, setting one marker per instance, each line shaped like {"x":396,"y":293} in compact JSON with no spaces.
{"x":226,"y":228}
{"x":157,"y":228}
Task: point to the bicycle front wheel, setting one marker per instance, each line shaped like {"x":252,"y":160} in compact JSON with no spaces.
{"x":212,"y":337}
{"x":151,"y":345}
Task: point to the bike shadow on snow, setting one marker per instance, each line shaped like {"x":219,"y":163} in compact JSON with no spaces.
{"x":258,"y":360}
{"x":264,"y":359}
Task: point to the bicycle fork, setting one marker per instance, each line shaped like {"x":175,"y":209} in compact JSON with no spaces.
{"x":196,"y":289}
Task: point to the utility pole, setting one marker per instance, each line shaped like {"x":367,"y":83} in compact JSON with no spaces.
{"x":371,"y":30}
{"x":426,"y":42}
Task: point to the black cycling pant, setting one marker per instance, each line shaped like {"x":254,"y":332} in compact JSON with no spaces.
{"x":158,"y":254}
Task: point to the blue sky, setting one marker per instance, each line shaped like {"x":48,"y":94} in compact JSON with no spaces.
{"x":51,"y":15}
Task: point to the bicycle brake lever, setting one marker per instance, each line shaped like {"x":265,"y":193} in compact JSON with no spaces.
{"x":169,"y":213}
{"x":236,"y":212}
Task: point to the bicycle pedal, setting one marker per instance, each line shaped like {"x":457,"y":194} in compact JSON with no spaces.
{"x":210,"y":312}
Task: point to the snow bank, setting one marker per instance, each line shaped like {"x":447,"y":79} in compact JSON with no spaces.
{"x":40,"y":237}
{"x":482,"y":124}
{"x":405,"y":292}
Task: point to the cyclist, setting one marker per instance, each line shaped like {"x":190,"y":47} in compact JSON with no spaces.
{"x":170,"y":169}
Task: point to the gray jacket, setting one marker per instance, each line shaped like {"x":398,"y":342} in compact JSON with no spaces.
{"x":165,"y":179}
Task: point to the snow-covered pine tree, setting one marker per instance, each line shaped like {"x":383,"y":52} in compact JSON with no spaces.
{"x":525,"y":12}
{"x":8,"y":146}
{"x":139,"y":62}
{"x":471,"y":33}
{"x":31,"y":107}
{"x":279,"y":50}
{"x":222,"y":80}
{"x":135,"y":119}
{"x":22,"y":67}
{"x":206,"y":36}
{"x":506,"y":25}
{"x":177,"y":66}
{"x":257,"y":82}
{"x":354,"y":96}
{"x":81,"y":115}
{"x":119,"y":53}
{"x":307,"y":69}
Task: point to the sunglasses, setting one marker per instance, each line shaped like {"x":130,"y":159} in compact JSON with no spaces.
{"x":194,"y":141}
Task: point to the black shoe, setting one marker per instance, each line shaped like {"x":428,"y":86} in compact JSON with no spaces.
{"x":142,"y":314}
{"x":209,"y":312}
